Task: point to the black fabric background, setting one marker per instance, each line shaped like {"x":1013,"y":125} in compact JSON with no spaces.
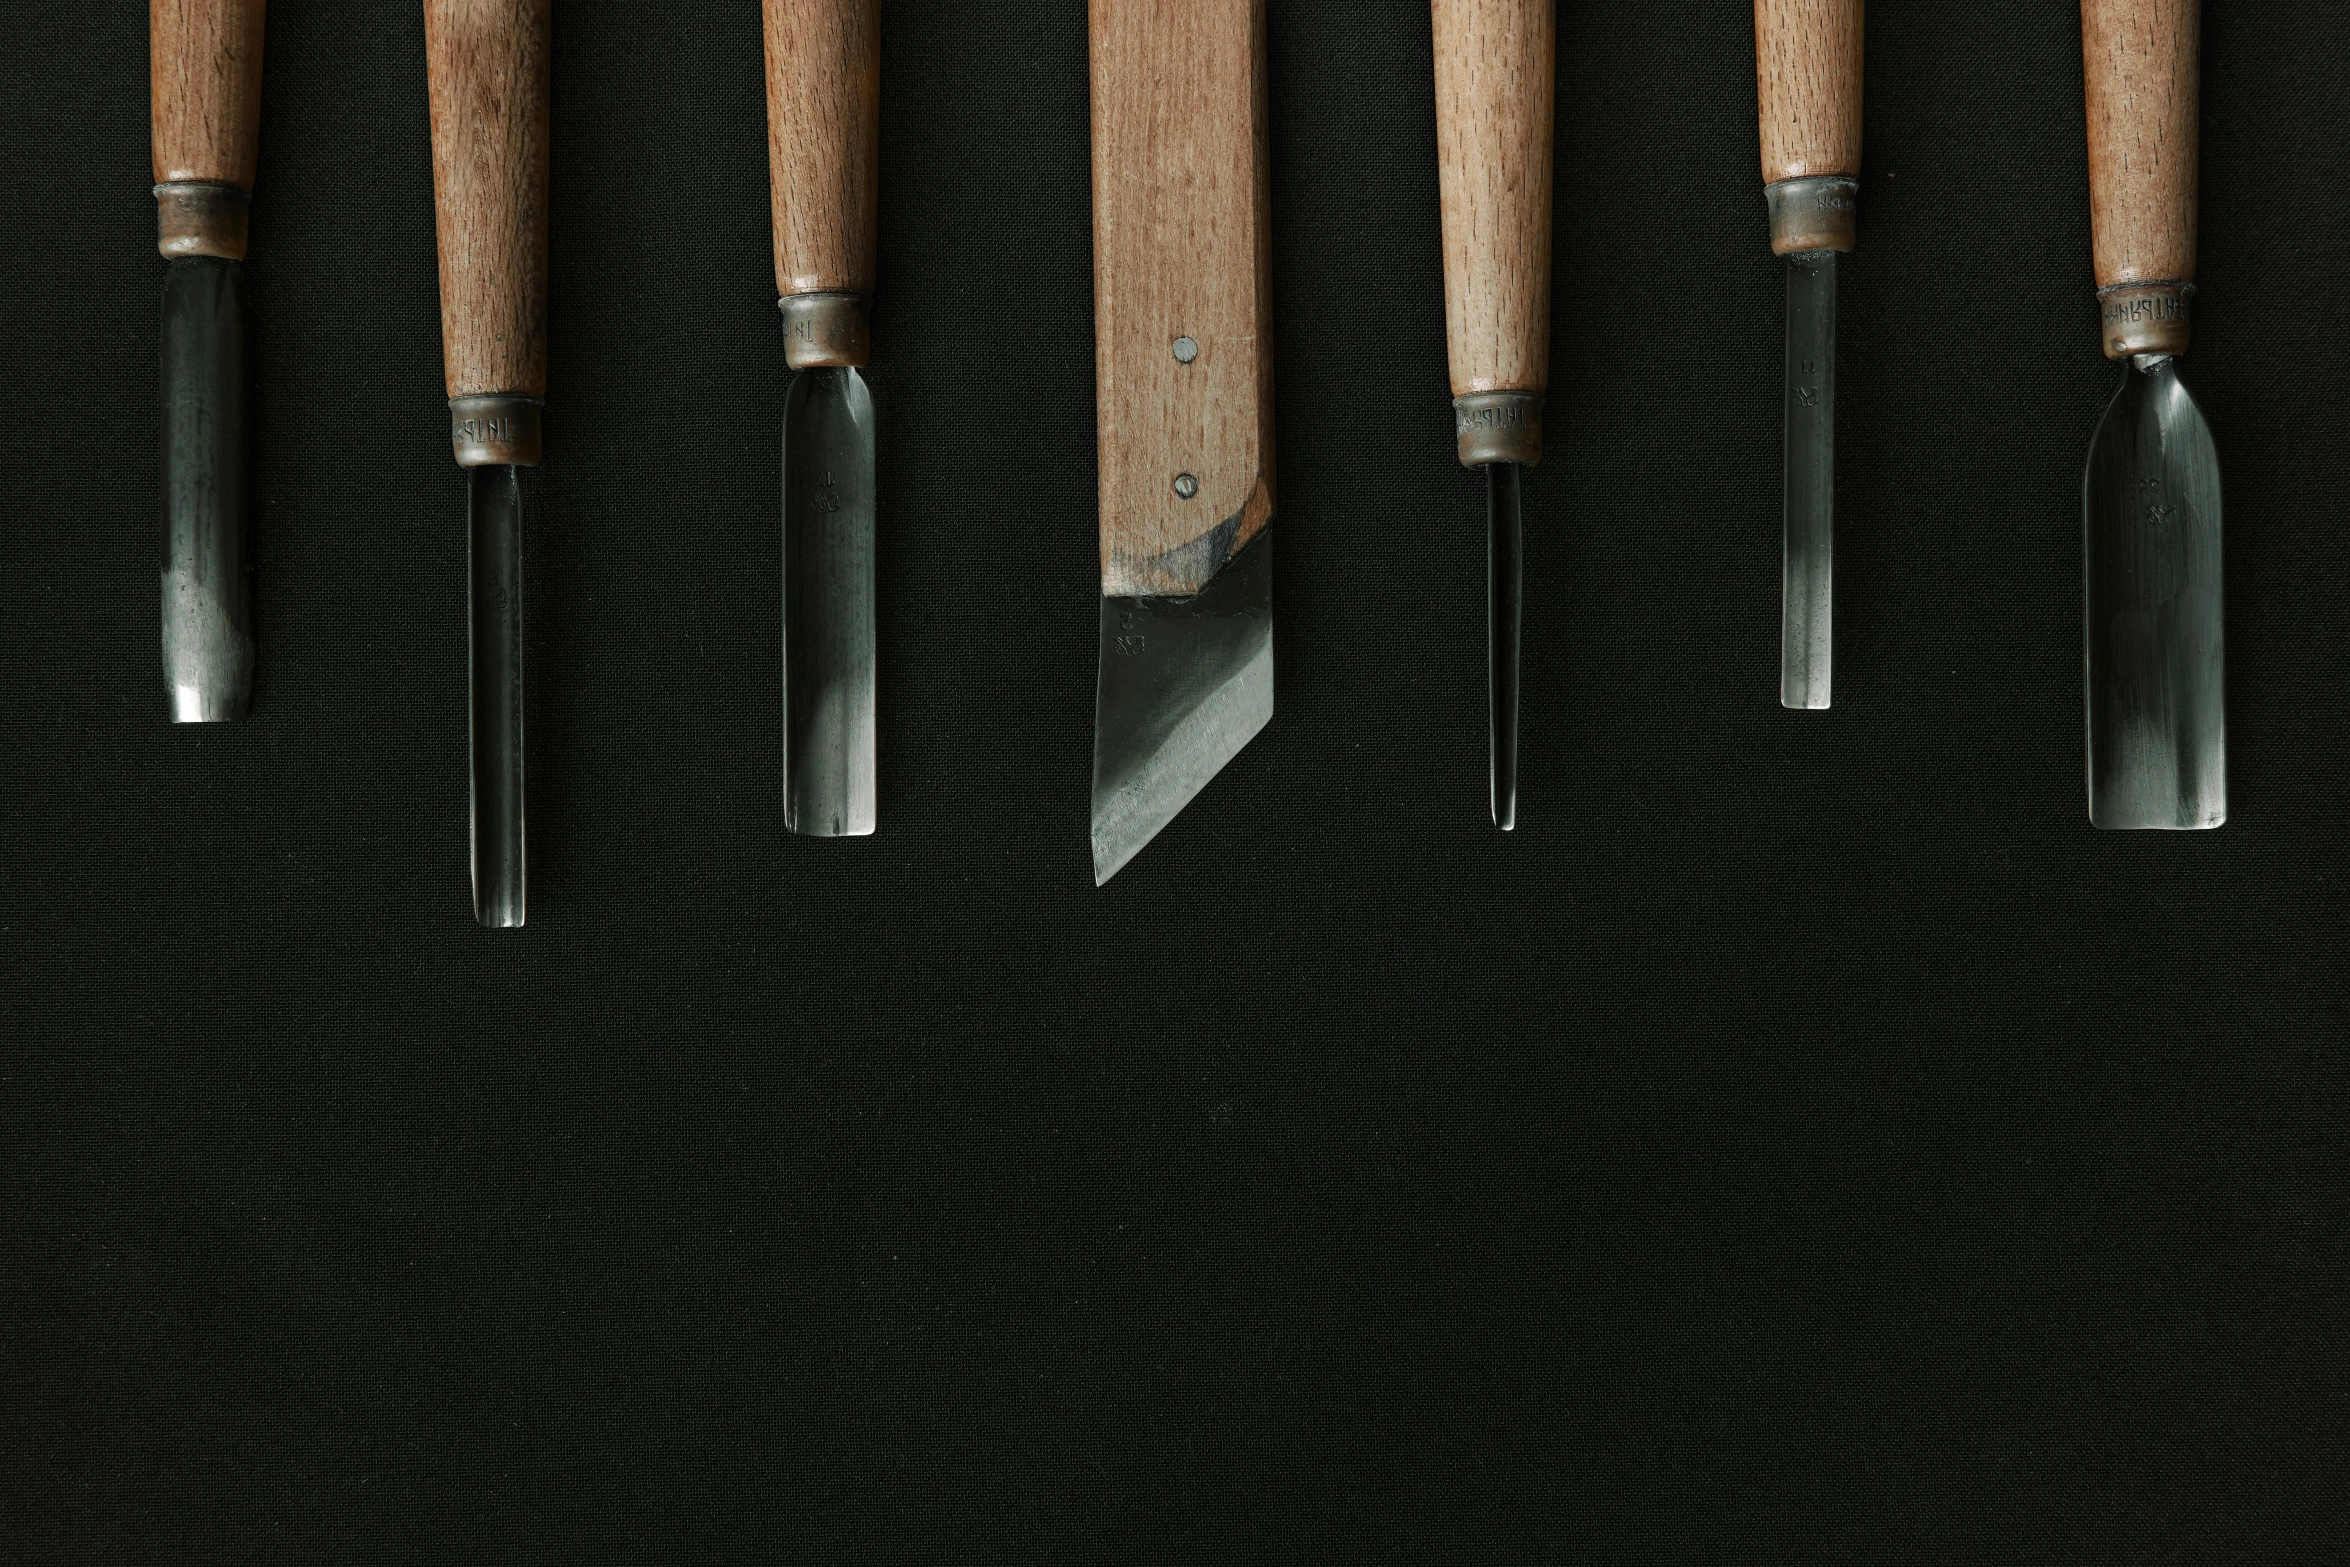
{"x":1805,"y":1140}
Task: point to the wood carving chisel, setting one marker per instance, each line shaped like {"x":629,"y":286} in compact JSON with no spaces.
{"x":1496,"y":74}
{"x":823,"y":139}
{"x":2150,"y":498}
{"x":1184,"y":381}
{"x":1807,"y":77}
{"x":205,"y":77}
{"x":487,"y":61}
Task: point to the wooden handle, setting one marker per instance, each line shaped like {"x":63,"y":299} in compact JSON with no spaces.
{"x":204,"y":75}
{"x":1807,"y":62}
{"x":487,"y":62}
{"x":2139,"y":61}
{"x":823,"y":146}
{"x":1496,"y":81}
{"x":1807,"y":87}
{"x":1181,"y":288}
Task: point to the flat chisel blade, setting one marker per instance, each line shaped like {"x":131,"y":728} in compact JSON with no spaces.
{"x":207,"y":618}
{"x":1184,"y":684}
{"x":2150,"y":507}
{"x":495,"y":602}
{"x":829,"y":786}
{"x":1806,"y":608}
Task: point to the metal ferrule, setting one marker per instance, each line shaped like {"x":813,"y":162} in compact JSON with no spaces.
{"x":499,"y":428}
{"x":202,"y":219}
{"x":2145,"y":318}
{"x":1813,"y":214}
{"x":1498,"y":427}
{"x":825,"y":331}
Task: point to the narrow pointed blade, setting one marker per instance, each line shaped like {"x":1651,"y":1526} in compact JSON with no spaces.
{"x":1806,"y":612}
{"x":2150,"y":506}
{"x":1504,"y":601}
{"x":1185,"y":683}
{"x":829,"y":788}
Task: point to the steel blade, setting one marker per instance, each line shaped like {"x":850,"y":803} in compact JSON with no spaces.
{"x":495,"y":604}
{"x":1184,"y":684}
{"x":2150,"y":506}
{"x":207,"y":614}
{"x":829,"y":786}
{"x":1806,"y":609}
{"x":1504,"y":602}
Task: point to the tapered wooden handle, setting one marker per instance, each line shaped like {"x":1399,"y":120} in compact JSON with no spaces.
{"x":1181,"y":275}
{"x":1496,"y":82}
{"x":204,"y":75}
{"x":487,"y":61}
{"x":823,"y":143}
{"x":2139,"y":62}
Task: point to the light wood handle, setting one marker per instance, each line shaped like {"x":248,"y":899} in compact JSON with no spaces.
{"x":2139,"y":64}
{"x":1182,"y":295}
{"x":204,"y":77}
{"x":487,"y":63}
{"x":1496,"y":84}
{"x":823,"y":142}
{"x":1807,"y":56}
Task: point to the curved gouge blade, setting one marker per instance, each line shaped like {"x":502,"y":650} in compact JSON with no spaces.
{"x":2150,"y":507}
{"x":207,"y":615}
{"x":828,"y":487}
{"x":1184,"y":684}
{"x":1504,"y":604}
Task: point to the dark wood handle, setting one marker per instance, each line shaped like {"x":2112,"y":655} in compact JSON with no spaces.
{"x":487,"y":62}
{"x":2139,"y":65}
{"x":1807,"y":57}
{"x":1496,"y":83}
{"x":823,"y":142}
{"x":204,"y":75}
{"x":1181,"y":272}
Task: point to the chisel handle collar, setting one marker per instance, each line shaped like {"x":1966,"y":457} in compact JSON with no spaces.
{"x":823,"y":156}
{"x":1807,"y":60}
{"x":204,"y":74}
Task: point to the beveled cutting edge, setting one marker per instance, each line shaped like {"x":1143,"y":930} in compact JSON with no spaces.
{"x":1183,"y":684}
{"x":828,"y":657}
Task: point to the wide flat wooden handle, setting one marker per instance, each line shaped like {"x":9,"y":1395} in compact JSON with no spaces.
{"x":1496,"y":84}
{"x":1807,"y":56}
{"x":2139,"y":65}
{"x":204,"y":77}
{"x":823,"y":142}
{"x":1182,"y":286}
{"x":487,"y":63}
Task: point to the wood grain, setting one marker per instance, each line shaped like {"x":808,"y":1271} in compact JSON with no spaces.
{"x":2139,"y":60}
{"x":1496,"y":75}
{"x":1179,"y":252}
{"x":824,"y":142}
{"x":487,"y":64}
{"x":1807,"y":64}
{"x":204,"y":75}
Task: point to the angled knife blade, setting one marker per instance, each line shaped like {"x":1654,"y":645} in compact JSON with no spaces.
{"x":206,"y":89}
{"x":1183,"y":356}
{"x":487,"y":65}
{"x":1496,"y":81}
{"x":823,"y":139}
{"x":1807,"y":88}
{"x":2153,"y":651}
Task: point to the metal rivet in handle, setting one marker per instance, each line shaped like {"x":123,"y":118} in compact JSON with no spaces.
{"x":1185,"y":350}
{"x":1186,"y":486}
